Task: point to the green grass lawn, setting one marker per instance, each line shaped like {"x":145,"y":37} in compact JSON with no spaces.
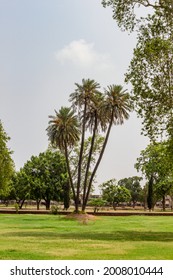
{"x":48,"y":237}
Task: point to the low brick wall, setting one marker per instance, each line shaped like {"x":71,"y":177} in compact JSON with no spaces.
{"x":116,"y":213}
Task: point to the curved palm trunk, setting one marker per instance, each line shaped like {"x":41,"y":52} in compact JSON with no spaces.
{"x":70,"y":176}
{"x":80,"y":159}
{"x":98,"y":161}
{"x":88,"y":163}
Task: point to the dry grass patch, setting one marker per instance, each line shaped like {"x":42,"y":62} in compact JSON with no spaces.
{"x":83,"y":218}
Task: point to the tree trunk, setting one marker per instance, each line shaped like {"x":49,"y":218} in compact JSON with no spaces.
{"x":150,"y":193}
{"x":47,"y":204}
{"x":21,"y":204}
{"x":114,"y":206}
{"x":98,"y":161}
{"x":164,"y":203}
{"x":70,"y":178}
{"x":88,"y":163}
{"x":66,"y":196}
{"x":38,"y":204}
{"x":80,"y":158}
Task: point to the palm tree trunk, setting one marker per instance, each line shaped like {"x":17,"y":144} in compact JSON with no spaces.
{"x":89,"y":162}
{"x":80,"y":157}
{"x":98,"y":161}
{"x":70,"y":177}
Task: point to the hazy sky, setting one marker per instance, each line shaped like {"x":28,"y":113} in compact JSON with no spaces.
{"x":45,"y":47}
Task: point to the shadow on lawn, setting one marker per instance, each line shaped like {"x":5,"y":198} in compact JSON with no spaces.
{"x":114,"y":236}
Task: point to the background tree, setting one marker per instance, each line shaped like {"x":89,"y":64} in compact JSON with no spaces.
{"x":134,"y":186}
{"x":42,"y":177}
{"x":6,"y":163}
{"x":125,"y":12}
{"x":114,"y":194}
{"x":93,"y":113}
{"x":157,"y":169}
{"x":97,"y":203}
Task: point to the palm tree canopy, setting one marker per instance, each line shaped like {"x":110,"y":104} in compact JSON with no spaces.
{"x":117,"y":104}
{"x":63,"y":129}
{"x":84,"y":92}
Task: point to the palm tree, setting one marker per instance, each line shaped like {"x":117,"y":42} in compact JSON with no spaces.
{"x":82,"y":99}
{"x":94,"y":121}
{"x":114,"y":110}
{"x":63,"y":132}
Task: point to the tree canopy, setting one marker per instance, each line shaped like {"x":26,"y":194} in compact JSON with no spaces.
{"x":151,"y":69}
{"x":43,"y":177}
{"x":157,"y":168}
{"x":125,"y":11}
{"x":134,"y":186}
{"x":114,"y":193}
{"x":150,"y":73}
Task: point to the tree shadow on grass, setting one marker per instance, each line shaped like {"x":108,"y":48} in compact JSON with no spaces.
{"x":106,"y":236}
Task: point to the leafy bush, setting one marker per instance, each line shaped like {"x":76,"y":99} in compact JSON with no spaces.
{"x":54,"y":209}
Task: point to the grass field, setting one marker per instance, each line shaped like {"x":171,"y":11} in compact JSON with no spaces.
{"x":48,"y":237}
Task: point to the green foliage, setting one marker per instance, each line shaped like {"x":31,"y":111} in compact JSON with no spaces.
{"x":6,"y":164}
{"x":63,"y":128}
{"x":21,"y":189}
{"x":157,"y":168}
{"x":125,"y":11}
{"x":54,"y":209}
{"x":151,"y":68}
{"x":150,"y":74}
{"x":97,"y":203}
{"x":114,"y":194}
{"x":42,"y":177}
{"x":16,"y":206}
{"x":133,"y":185}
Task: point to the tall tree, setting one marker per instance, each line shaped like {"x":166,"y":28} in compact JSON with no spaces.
{"x":96,"y":113}
{"x":82,"y":100}
{"x":151,"y":75}
{"x":6,"y":162}
{"x":114,"y":110}
{"x":63,"y":132}
{"x":151,"y":69}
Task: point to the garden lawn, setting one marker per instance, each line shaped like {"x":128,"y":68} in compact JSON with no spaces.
{"x":49,"y":237}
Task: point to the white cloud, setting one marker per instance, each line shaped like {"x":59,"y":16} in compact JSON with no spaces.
{"x":83,"y":54}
